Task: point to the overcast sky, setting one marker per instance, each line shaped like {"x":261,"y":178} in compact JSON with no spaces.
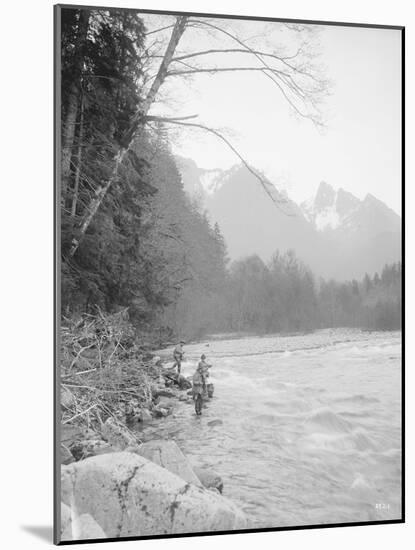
{"x":360,"y":150}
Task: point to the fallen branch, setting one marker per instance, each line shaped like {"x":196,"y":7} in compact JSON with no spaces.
{"x":81,"y":372}
{"x":80,"y":414}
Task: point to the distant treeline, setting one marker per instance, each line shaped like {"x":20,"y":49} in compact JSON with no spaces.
{"x":284,"y":296}
{"x":131,"y":237}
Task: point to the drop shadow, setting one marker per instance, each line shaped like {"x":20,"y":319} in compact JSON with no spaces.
{"x":42,"y":532}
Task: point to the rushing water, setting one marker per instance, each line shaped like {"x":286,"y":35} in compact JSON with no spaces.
{"x":310,"y":428}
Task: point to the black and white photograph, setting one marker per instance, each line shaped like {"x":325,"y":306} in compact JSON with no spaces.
{"x":229,"y":280}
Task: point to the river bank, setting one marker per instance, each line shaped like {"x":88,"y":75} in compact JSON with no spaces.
{"x":111,"y":387}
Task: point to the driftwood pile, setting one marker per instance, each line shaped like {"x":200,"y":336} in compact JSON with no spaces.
{"x":104,"y":372}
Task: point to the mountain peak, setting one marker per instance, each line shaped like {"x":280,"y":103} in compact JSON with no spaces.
{"x":371,"y":199}
{"x":335,"y":233}
{"x":346,"y":202}
{"x":325,"y":196}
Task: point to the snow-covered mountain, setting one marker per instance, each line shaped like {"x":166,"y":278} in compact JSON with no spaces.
{"x":335,"y":233}
{"x":329,"y":208}
{"x":341,"y":214}
{"x":200,"y":181}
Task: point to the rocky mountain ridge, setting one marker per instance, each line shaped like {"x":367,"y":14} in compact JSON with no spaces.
{"x":337,"y":234}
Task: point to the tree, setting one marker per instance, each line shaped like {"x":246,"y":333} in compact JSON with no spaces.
{"x":74,"y":28}
{"x":299,"y":82}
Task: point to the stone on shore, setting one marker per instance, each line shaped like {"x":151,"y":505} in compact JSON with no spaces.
{"x":90,"y":447}
{"x":127,"y":495}
{"x":163,"y":392}
{"x":216,"y":422}
{"x":145,"y":415}
{"x":66,"y":455}
{"x":175,"y":378}
{"x":183,"y":383}
{"x":166,"y":403}
{"x":160,"y":412}
{"x":167,"y":454}
{"x":117,"y":435}
{"x":67,"y":399}
{"x":209,"y":478}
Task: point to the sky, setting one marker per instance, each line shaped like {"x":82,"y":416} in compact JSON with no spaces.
{"x":360,"y":147}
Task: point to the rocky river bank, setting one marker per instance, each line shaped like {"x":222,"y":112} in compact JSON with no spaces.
{"x":114,"y":484}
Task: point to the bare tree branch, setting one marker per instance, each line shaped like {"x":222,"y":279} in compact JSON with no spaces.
{"x":265,"y":70}
{"x":159,"y":30}
{"x":176,"y":118}
{"x":314,"y":117}
{"x":271,"y":191}
{"x":250,"y":51}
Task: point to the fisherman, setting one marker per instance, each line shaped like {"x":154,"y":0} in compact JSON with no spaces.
{"x":178,"y":356}
{"x":204,"y":366}
{"x":200,"y":383}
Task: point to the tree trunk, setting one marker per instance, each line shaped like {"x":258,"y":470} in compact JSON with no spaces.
{"x":68,"y":129}
{"x":139,"y":119}
{"x":78,"y":161}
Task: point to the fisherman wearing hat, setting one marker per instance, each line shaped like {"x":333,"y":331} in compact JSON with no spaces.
{"x":178,"y":356}
{"x":200,"y":383}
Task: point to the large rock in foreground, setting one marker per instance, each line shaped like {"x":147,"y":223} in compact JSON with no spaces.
{"x":167,"y":454}
{"x":127,"y":495}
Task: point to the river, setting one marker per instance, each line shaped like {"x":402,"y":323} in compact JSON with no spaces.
{"x":310,"y":428}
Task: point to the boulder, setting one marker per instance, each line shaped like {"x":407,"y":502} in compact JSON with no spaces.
{"x":167,"y":454}
{"x":216,"y":422}
{"x":66,"y":455}
{"x":70,"y":433}
{"x":83,"y":527}
{"x":159,"y":412}
{"x":166,"y":403}
{"x":117,"y":435}
{"x":90,"y":447}
{"x":132,"y":411}
{"x":145,"y":415}
{"x":183,"y":382}
{"x":90,"y":434}
{"x":172,"y":377}
{"x":163,"y":392}
{"x":127,"y":495}
{"x":65,"y":517}
{"x":209,"y":478}
{"x":67,"y":398}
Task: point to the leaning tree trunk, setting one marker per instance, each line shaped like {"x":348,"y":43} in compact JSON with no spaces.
{"x":68,"y":133}
{"x":78,"y":162}
{"x":139,"y":119}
